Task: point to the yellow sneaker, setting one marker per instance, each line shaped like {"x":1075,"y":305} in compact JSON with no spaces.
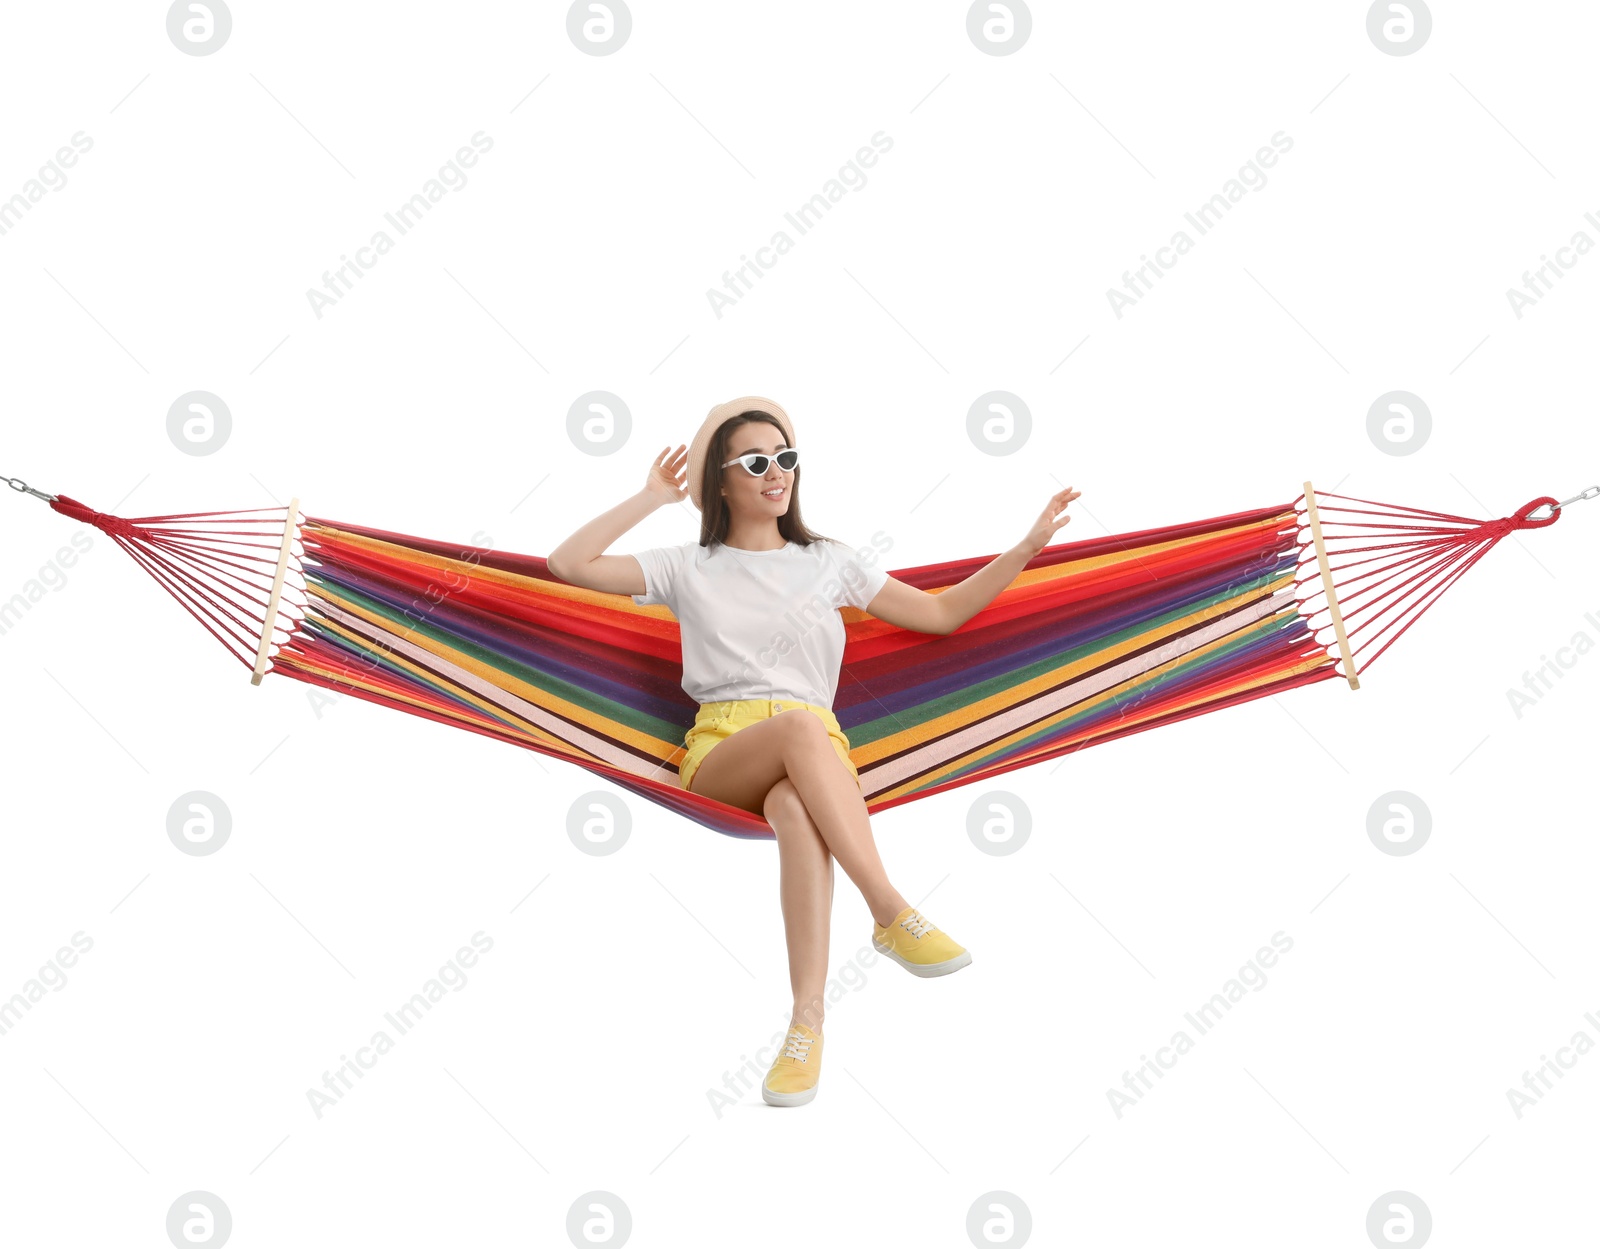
{"x":918,"y":946}
{"x":795,"y":1071}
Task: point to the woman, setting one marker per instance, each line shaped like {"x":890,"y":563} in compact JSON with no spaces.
{"x":757,"y":599}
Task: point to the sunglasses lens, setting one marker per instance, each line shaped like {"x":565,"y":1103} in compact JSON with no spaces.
{"x":756,"y":465}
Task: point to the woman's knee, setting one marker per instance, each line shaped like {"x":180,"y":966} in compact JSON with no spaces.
{"x":803,"y":731}
{"x":782,"y":801}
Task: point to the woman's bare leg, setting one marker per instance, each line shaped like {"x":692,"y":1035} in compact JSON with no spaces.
{"x":742,"y":769}
{"x":805,"y":889}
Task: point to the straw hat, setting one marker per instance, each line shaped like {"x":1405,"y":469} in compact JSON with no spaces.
{"x":720,"y":413}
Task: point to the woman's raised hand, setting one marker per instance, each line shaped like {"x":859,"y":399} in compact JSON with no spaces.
{"x":666,"y":481}
{"x":1045,"y":527}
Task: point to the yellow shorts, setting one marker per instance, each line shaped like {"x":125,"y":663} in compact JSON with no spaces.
{"x":715,"y":721}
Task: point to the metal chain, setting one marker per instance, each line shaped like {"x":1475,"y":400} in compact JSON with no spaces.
{"x":1590,"y":493}
{"x":16,"y":483}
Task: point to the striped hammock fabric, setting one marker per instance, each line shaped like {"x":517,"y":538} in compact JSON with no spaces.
{"x":1094,"y":640}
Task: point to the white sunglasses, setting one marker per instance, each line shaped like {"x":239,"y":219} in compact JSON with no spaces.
{"x":755,"y":463}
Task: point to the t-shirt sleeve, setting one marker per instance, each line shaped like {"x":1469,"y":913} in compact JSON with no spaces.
{"x":860,"y":579}
{"x":661,"y":566}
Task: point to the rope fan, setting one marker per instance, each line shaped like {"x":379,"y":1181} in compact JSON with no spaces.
{"x":1094,"y":640}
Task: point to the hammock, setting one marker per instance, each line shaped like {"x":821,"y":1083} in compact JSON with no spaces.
{"x":1093,"y":641}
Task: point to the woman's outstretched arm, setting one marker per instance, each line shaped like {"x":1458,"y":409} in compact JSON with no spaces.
{"x":581,"y":559}
{"x":964,"y":600}
{"x":909,"y":607}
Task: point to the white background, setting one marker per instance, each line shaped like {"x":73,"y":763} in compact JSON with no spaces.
{"x":368,"y":846}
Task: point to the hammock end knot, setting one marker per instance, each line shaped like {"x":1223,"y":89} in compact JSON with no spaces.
{"x":116,"y":526}
{"x":1523,"y":517}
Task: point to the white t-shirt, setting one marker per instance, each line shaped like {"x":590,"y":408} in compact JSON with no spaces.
{"x":760,"y":624}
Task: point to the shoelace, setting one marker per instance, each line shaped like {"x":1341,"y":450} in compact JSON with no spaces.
{"x":916,"y":925}
{"x":799,"y":1045}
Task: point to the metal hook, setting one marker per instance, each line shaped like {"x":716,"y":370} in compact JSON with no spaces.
{"x":16,"y":483}
{"x":1590,"y":493}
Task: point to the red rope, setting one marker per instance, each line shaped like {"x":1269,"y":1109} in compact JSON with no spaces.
{"x":201,"y":567}
{"x":1422,"y":563}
